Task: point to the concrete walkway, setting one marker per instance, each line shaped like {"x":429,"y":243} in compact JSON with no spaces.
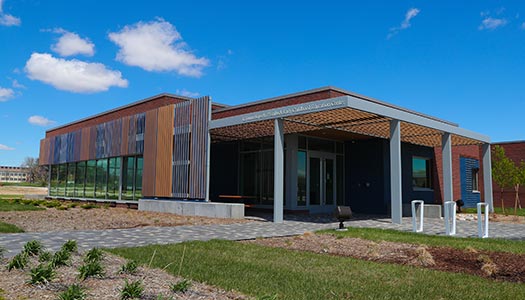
{"x":167,"y":235}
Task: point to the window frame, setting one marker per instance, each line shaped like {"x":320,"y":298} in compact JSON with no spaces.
{"x":428,"y":171}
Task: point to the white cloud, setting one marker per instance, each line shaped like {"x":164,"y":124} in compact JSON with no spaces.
{"x":187,"y":93}
{"x":491,"y":23}
{"x":409,"y":15}
{"x":71,"y":43}
{"x":4,"y":147}
{"x":157,"y":46}
{"x":40,"y":121}
{"x":18,"y":85}
{"x":72,"y":75}
{"x":6,"y":94}
{"x":7,"y":19}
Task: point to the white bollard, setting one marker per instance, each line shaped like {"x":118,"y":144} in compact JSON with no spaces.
{"x":415,"y":228}
{"x":483,"y":229}
{"x":450,"y":218}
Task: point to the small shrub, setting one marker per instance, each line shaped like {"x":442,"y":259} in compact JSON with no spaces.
{"x":129,"y":267}
{"x":487,"y":265}
{"x":60,"y":258}
{"x":19,"y":261}
{"x":73,"y":292}
{"x":423,"y":257}
{"x":33,"y":247}
{"x":181,"y":287}
{"x":469,"y":249}
{"x":43,"y":273}
{"x":2,"y":252}
{"x":72,"y":205}
{"x":106,"y":206}
{"x":132,"y":290}
{"x":45,"y":256}
{"x":70,"y":246}
{"x":62,"y":208}
{"x":91,"y":269}
{"x":88,"y":206}
{"x":51,"y":204}
{"x":93,"y":255}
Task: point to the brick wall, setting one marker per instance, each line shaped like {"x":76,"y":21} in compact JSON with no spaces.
{"x":470,"y":151}
{"x":516,"y":152}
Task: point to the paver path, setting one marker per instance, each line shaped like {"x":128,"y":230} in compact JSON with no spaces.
{"x":166,"y":235}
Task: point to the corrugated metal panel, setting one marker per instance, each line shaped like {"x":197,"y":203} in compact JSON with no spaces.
{"x":93,"y":142}
{"x":164,"y":149}
{"x":43,"y":156}
{"x":467,"y":165}
{"x":181,"y":150}
{"x":199,"y":147}
{"x":150,"y":146}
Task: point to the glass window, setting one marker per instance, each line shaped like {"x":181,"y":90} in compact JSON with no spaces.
{"x":138,"y":178}
{"x":53,"y":184}
{"x":101,"y":179}
{"x":114,"y":178}
{"x":421,"y":171}
{"x":90,"y":179}
{"x":70,"y":183}
{"x":475,"y":180}
{"x":80,"y":178}
{"x":62,"y":177}
{"x":301,"y":178}
{"x":128,"y":178}
{"x":339,"y":169}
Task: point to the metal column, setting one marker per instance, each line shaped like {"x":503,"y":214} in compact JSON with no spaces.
{"x":448,"y":192}
{"x":278,"y":193}
{"x":395,"y":172}
{"x":487,"y":176}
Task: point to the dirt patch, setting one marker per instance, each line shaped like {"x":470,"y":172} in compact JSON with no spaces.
{"x":100,"y":218}
{"x":494,"y":218}
{"x":495,"y":265}
{"x":156,"y":283}
{"x":22,"y":190}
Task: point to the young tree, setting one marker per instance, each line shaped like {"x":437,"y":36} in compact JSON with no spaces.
{"x":518,"y":180}
{"x":502,"y":171}
{"x":37,"y":173}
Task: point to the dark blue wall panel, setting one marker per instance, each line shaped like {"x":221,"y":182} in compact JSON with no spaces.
{"x":470,"y":197}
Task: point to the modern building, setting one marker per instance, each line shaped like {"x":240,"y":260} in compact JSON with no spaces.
{"x":304,"y":152}
{"x":13,"y":174}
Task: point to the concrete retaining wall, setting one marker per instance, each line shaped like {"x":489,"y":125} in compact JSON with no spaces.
{"x":193,"y":208}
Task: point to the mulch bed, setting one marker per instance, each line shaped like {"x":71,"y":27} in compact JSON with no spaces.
{"x":77,"y":218}
{"x":156,"y":282}
{"x":501,"y":266}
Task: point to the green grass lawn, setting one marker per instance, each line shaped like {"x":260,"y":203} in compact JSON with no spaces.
{"x":508,"y":211}
{"x":375,"y":234}
{"x":9,"y":228}
{"x":8,"y":205}
{"x":257,"y":270}
{"x":33,"y":184}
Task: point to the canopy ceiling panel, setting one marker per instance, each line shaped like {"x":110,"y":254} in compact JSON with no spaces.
{"x":349,"y":120}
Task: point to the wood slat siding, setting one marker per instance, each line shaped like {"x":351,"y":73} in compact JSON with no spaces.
{"x":199,"y":147}
{"x":181,"y":150}
{"x":124,"y":137}
{"x":164,"y":149}
{"x":150,"y":143}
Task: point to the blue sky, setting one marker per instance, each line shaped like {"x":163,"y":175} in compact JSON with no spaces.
{"x":64,"y":60}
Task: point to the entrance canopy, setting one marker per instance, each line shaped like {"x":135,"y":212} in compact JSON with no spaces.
{"x":348,"y":114}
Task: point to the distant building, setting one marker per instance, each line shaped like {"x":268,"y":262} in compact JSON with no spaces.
{"x":13,"y":174}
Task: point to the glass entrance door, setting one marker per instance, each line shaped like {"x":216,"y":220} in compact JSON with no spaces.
{"x":321,"y":182}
